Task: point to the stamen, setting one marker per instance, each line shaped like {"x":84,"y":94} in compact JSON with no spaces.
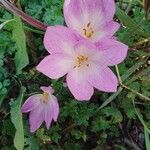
{"x":81,"y":60}
{"x":45,"y":97}
{"x":88,"y":31}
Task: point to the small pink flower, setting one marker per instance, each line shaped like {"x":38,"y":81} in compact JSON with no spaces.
{"x":85,"y":64}
{"x":42,"y":107}
{"x":92,"y":19}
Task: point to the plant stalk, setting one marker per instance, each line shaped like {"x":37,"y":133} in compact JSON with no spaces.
{"x":34,"y":22}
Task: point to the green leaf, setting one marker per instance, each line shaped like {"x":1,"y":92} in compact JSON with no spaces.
{"x":16,"y":118}
{"x":130,"y":23}
{"x":111,"y":98}
{"x":114,"y":113}
{"x":21,"y":58}
{"x":131,"y":70}
{"x":141,"y":119}
{"x":4,"y":23}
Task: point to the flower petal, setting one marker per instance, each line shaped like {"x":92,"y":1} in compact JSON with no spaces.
{"x":112,"y":52}
{"x":48,"y":115}
{"x":80,"y":12}
{"x":47,"y":89}
{"x":100,"y":11}
{"x":36,"y":118}
{"x":103,"y":79}
{"x":51,"y":111}
{"x":55,"y":66}
{"x":55,"y":107}
{"x":106,"y":31}
{"x":87,"y":48}
{"x":78,"y":85}
{"x":75,"y":13}
{"x":31,"y":103}
{"x":59,"y":39}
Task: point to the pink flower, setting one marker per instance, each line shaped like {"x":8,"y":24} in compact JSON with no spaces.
{"x":92,"y":19}
{"x":85,"y":64}
{"x":42,"y":107}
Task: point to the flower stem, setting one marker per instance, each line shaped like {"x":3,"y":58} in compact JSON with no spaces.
{"x":141,"y":42}
{"x":10,"y":7}
{"x":128,"y":88}
{"x":33,"y":30}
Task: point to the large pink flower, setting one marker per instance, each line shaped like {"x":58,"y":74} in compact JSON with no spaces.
{"x":42,"y":107}
{"x":92,"y":19}
{"x":85,"y":65}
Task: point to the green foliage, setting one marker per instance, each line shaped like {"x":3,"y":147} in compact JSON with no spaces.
{"x":107,"y":120}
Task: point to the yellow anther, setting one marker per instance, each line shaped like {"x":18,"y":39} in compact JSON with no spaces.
{"x":45,"y":97}
{"x":88,"y":31}
{"x":81,"y":60}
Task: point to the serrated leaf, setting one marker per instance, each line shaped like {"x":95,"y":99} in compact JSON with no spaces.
{"x":21,"y":57}
{"x":115,"y":114}
{"x":33,"y":144}
{"x":16,"y":118}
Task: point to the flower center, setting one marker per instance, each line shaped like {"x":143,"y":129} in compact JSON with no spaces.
{"x":88,"y":31}
{"x":81,"y":60}
{"x":45,"y":97}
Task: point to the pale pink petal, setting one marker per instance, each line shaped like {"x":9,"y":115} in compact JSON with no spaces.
{"x":47,"y":89}
{"x":76,"y":14}
{"x":55,"y":66}
{"x":81,"y":12}
{"x":51,"y":111}
{"x":88,"y":49}
{"x":55,"y":107}
{"x":106,"y":31}
{"x":103,"y":79}
{"x":48,"y":115}
{"x":36,"y":118}
{"x":109,"y":9}
{"x":59,"y":39}
{"x":31,"y":103}
{"x":112,"y":52}
{"x":100,"y":11}
{"x":85,"y":47}
{"x":78,"y":85}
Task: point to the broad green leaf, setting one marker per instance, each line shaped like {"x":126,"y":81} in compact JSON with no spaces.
{"x":21,"y":58}
{"x":130,"y":23}
{"x":16,"y":118}
{"x":147,"y":140}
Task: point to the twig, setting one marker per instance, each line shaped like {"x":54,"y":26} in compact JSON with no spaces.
{"x":141,"y":42}
{"x":129,"y":89}
{"x":68,"y":128}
